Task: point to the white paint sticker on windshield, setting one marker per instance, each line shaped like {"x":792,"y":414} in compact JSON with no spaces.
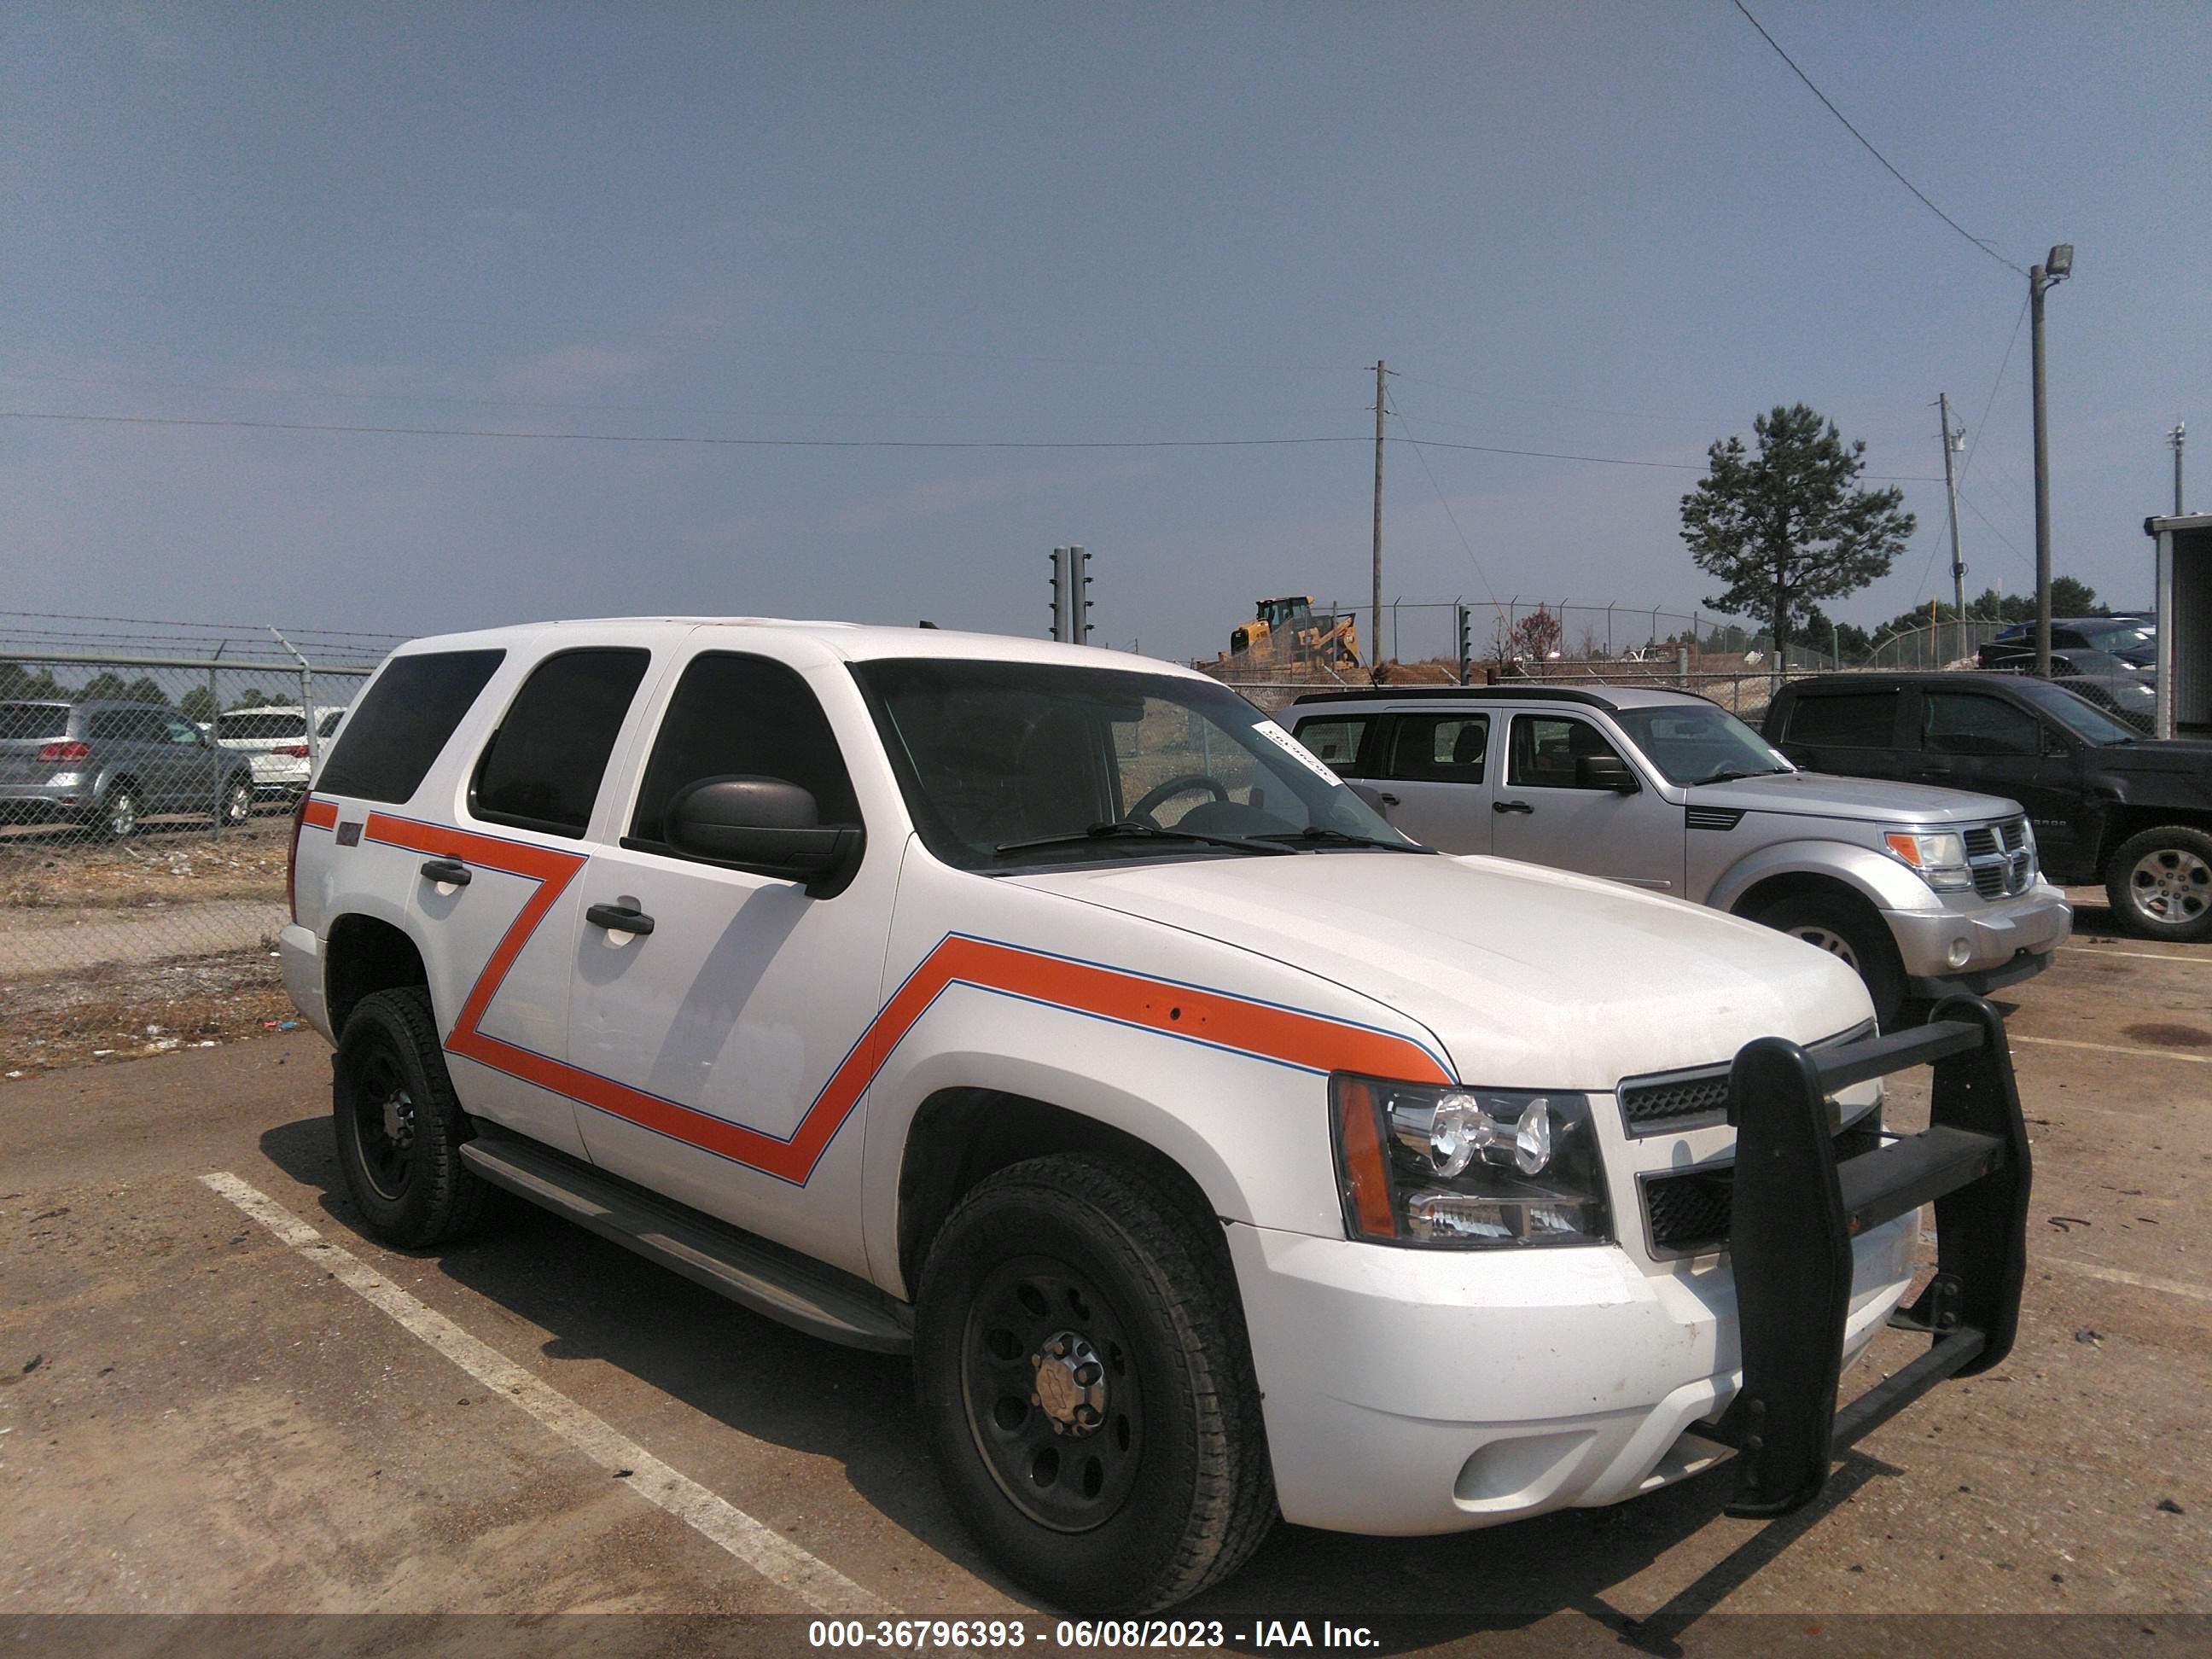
{"x":1297,"y":750}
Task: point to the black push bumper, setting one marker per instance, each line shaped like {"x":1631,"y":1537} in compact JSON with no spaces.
{"x":1796,"y":1209}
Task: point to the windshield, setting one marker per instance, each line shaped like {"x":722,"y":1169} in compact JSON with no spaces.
{"x":999,"y":760}
{"x":1696,"y":743}
{"x":2076,"y":713}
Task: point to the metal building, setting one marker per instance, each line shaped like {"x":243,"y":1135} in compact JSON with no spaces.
{"x":2184,"y":707}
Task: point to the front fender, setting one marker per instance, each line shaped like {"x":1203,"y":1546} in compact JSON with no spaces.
{"x":1875,"y":877}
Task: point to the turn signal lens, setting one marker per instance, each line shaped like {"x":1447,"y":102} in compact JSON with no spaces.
{"x":1941,"y":859}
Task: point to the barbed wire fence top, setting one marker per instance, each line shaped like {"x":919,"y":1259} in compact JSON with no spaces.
{"x":147,"y":774}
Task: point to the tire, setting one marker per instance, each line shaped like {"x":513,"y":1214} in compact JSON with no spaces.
{"x":118,"y":813}
{"x":1848,"y":931}
{"x":399,"y":1126}
{"x":2160,"y":884}
{"x":237,"y":807}
{"x":1160,"y":1484}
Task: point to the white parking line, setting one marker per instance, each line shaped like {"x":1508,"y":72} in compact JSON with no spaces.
{"x":2113,"y":1048}
{"x":2139,"y":956}
{"x":766,"y":1551}
{"x":2122,"y":1276}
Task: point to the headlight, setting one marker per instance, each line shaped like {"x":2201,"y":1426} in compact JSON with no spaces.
{"x":1939,"y":858}
{"x":1423,"y":1165}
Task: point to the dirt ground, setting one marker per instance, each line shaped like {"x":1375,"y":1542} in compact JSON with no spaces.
{"x":164,"y":864}
{"x":197,"y":1415}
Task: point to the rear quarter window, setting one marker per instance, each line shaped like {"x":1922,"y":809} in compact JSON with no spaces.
{"x":1334,"y":741}
{"x":402,"y":722}
{"x":1844,"y":720}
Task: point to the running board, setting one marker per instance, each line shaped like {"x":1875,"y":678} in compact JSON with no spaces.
{"x":769,"y":1280}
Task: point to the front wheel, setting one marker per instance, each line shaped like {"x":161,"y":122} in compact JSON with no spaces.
{"x":399,"y":1125}
{"x":1086,"y":1391}
{"x":2160,"y":884}
{"x":1853,"y":936}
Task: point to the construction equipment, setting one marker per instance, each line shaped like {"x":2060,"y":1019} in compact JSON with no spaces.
{"x":1289,"y":631}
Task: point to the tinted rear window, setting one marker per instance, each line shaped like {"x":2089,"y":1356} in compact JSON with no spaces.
{"x":34,"y":719}
{"x":258,"y":725}
{"x":541,"y":768}
{"x":403,"y":720}
{"x":1849,"y":719}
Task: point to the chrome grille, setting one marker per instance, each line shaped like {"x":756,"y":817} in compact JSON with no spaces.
{"x":2002,"y":857}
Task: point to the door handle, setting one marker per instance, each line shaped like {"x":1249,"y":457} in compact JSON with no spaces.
{"x":619,"y":919}
{"x":450,"y":872}
{"x":1936,"y":769}
{"x":1510,"y":806}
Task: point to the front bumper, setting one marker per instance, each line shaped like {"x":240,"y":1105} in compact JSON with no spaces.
{"x":1423,"y":1391}
{"x":1410,"y":1391}
{"x":1979,"y":946}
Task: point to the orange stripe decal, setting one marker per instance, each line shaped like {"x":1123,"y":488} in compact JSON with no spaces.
{"x":321,"y":814}
{"x":1284,"y":1036}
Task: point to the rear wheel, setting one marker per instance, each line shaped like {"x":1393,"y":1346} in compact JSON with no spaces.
{"x":1086,"y":1390}
{"x":1853,"y":936}
{"x":399,"y":1125}
{"x":2160,"y":884}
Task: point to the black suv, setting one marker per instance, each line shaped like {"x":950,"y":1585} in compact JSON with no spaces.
{"x":2107,"y":804}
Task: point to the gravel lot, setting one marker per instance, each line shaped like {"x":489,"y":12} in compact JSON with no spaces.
{"x":197,"y":1415}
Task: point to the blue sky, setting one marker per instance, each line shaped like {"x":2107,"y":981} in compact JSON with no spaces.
{"x":1614,"y":230}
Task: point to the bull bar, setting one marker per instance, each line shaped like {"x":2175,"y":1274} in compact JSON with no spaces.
{"x":1798,"y":1207}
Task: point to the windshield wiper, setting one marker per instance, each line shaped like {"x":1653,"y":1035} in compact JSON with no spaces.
{"x":1315,"y":836}
{"x":1135,"y":830}
{"x":1729,"y":774}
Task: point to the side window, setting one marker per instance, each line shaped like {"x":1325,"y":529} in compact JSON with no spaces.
{"x":1440,"y":748}
{"x":1850,"y":720}
{"x":734,"y":716}
{"x":542,"y":768}
{"x":1334,"y":742}
{"x":1962,"y":723}
{"x":181,"y":732}
{"x":402,"y":721}
{"x":1544,"y":748}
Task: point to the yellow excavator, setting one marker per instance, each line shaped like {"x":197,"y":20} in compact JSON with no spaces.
{"x":1288,"y":629}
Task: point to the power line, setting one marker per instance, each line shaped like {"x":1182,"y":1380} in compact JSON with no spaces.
{"x":1444,"y":502}
{"x":1994,"y":530}
{"x":209,"y":627}
{"x":1992,"y":402}
{"x":1977,"y":240}
{"x":676,"y":438}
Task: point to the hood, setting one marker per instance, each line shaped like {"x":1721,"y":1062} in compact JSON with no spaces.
{"x":1531,"y":978}
{"x":2172,"y":756}
{"x":1826,"y":795}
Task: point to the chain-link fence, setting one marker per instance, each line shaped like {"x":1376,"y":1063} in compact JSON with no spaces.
{"x":145,"y":820}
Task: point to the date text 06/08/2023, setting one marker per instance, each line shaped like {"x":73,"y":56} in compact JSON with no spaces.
{"x":1004,"y":1635}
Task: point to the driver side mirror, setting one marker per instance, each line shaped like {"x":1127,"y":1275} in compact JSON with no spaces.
{"x":767,"y":826}
{"x":1606,"y":772}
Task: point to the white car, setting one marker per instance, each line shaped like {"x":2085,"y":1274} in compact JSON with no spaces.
{"x":1052,"y":1015}
{"x":276,"y":736}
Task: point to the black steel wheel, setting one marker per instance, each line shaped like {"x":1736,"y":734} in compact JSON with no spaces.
{"x":1052,"y":1399}
{"x":1086,"y":1387}
{"x":399,"y":1126}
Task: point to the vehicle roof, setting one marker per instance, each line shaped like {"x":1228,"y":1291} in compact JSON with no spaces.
{"x":1613,"y":697}
{"x":1907,"y":676}
{"x":854,"y":641}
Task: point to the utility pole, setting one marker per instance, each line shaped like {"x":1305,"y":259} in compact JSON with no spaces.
{"x":1375,"y":647}
{"x":2057,"y":265}
{"x":2173,"y":438}
{"x":1952,"y":441}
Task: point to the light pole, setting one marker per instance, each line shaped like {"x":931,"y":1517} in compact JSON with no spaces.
{"x":2057,"y":265}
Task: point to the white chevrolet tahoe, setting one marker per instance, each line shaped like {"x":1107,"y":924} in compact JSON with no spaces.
{"x":1051,"y":1014}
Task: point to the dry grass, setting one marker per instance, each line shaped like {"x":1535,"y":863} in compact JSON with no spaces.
{"x":126,"y":1010}
{"x":161,"y":866}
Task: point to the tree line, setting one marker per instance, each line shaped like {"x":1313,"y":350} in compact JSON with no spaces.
{"x":20,"y":684}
